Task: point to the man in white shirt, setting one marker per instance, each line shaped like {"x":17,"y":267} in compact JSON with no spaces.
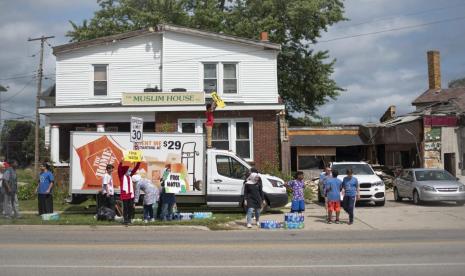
{"x":108,"y":189}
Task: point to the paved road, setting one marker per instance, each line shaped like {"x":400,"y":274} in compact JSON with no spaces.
{"x":31,"y":250}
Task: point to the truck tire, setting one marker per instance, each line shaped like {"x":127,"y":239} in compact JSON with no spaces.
{"x":416,"y":198}
{"x":397,"y":197}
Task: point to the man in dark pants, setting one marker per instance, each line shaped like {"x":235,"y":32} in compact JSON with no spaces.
{"x":44,"y":190}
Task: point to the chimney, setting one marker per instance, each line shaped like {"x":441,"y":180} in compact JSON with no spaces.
{"x":434,"y":70}
{"x":264,"y":36}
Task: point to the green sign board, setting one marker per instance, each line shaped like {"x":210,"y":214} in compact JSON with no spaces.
{"x":164,"y":98}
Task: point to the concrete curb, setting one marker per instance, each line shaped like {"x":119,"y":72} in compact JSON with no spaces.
{"x":105,"y":227}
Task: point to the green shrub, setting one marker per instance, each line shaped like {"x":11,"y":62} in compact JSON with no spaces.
{"x":26,"y":192}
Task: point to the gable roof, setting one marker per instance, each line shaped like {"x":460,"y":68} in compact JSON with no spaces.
{"x":160,"y":29}
{"x":443,"y":95}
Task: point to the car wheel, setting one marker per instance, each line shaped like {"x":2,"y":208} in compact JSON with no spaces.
{"x":321,"y":199}
{"x":460,"y":203}
{"x":380,"y":203}
{"x":397,"y":196}
{"x":416,"y":198}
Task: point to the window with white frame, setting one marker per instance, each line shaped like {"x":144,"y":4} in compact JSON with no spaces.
{"x":100,"y":80}
{"x":233,"y":134}
{"x":229,"y":78}
{"x":210,"y":77}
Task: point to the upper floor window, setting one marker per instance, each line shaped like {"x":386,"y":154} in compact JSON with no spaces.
{"x":210,"y":77}
{"x":229,"y":78}
{"x":100,"y":80}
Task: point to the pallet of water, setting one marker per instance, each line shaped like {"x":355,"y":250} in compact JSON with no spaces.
{"x":294,"y":221}
{"x":270,"y":224}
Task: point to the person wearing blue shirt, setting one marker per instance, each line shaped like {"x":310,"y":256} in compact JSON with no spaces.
{"x":44,"y":189}
{"x":351,"y":192}
{"x":332,"y":188}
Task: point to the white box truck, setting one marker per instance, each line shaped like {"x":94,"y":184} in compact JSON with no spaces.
{"x":212,"y":177}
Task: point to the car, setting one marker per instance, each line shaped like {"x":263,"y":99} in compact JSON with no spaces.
{"x":422,"y":185}
{"x":372,"y":188}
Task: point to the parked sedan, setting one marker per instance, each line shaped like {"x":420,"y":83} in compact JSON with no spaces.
{"x":428,"y":185}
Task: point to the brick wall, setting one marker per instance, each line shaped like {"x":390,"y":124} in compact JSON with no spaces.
{"x":265,"y":131}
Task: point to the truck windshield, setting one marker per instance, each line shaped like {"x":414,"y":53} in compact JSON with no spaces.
{"x":433,"y":176}
{"x":358,"y":169}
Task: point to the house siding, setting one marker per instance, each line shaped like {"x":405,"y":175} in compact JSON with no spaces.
{"x":183,"y":57}
{"x":265,"y":131}
{"x":133,"y":64}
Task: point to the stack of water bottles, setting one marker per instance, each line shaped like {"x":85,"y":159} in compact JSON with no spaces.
{"x":293,"y":221}
{"x":183,"y":216}
{"x":203,"y":215}
{"x":270,"y":224}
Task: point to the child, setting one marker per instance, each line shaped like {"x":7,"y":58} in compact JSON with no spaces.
{"x":297,"y":185}
{"x":332,"y":188}
{"x":209,"y":123}
{"x":168,"y":200}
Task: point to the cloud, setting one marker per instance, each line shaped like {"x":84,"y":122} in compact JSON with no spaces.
{"x":389,"y":68}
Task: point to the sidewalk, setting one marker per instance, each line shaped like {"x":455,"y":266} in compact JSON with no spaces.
{"x":393,"y":216}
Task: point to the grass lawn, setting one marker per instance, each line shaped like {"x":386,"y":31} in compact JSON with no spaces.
{"x":214,"y":223}
{"x":83,"y":214}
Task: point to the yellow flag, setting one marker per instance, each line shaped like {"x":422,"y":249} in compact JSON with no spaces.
{"x":218,"y":101}
{"x":133,"y":156}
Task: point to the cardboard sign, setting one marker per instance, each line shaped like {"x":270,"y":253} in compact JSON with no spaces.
{"x":218,"y":101}
{"x":133,"y":156}
{"x":175,"y":183}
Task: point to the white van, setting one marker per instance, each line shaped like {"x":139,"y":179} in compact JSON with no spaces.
{"x":212,"y":177}
{"x":371,"y":186}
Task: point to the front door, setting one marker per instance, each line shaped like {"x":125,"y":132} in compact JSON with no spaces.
{"x":449,"y":163}
{"x":226,"y":181}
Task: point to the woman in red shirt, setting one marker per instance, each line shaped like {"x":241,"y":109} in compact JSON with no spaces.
{"x":127,"y":190}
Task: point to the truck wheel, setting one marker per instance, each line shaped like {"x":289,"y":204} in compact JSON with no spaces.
{"x":320,"y":198}
{"x":416,"y":198}
{"x":397,"y":196}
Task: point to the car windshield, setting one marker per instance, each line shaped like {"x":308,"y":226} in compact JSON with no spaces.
{"x":358,"y":169}
{"x":433,"y":176}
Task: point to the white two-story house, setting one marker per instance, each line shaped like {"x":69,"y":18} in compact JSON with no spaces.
{"x":94,"y":77}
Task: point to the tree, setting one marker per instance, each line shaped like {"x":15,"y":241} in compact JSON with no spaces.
{"x":457,"y":83}
{"x":304,"y":75}
{"x":18,"y":141}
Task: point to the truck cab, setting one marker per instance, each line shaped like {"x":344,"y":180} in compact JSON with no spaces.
{"x":225,"y":181}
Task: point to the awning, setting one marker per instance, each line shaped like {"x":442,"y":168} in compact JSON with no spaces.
{"x":326,"y":141}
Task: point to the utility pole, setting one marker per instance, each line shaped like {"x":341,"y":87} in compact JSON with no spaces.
{"x":39,"y":88}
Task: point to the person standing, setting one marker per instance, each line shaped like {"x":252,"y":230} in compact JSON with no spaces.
{"x":253,"y":196}
{"x":351,"y":189}
{"x":108,"y":188}
{"x":127,"y":190}
{"x":151,"y":196}
{"x":297,"y":185}
{"x":332,"y":189}
{"x":44,"y":190}
{"x":325,"y":175}
{"x":10,"y":184}
{"x":209,"y":123}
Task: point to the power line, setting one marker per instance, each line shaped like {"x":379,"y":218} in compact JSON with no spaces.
{"x":397,"y":16}
{"x":19,"y":92}
{"x":392,"y":30}
{"x":14,"y":113}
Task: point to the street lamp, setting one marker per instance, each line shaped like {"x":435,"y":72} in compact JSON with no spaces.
{"x":416,"y":144}
{"x":2,"y":90}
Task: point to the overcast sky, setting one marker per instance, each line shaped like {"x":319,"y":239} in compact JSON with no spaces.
{"x":376,"y":70}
